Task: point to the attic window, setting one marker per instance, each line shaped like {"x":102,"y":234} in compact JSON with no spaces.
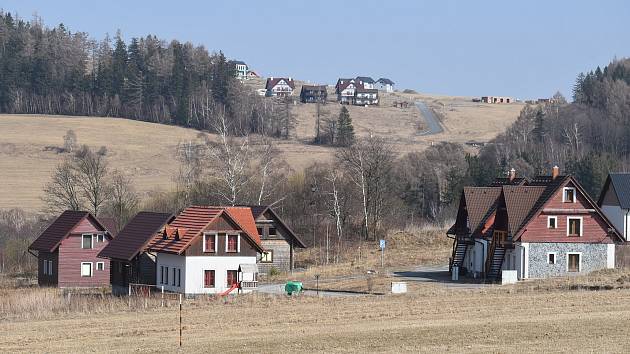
{"x":552,"y":222}
{"x":568,"y":195}
{"x":272,"y":231}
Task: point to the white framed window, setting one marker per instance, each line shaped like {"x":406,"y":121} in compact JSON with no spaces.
{"x":266,"y":257}
{"x":575,"y":226}
{"x":574,"y":262}
{"x":100,"y":238}
{"x":87,"y":241}
{"x":568,"y":195}
{"x":552,"y":258}
{"x":210,"y":242}
{"x":86,"y":269}
{"x":552,"y":222}
{"x":100,"y":265}
{"x":232,"y":243}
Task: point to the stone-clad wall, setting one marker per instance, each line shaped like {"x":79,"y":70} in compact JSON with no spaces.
{"x":594,"y":257}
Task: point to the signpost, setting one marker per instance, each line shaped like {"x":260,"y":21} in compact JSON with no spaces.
{"x":382,"y":246}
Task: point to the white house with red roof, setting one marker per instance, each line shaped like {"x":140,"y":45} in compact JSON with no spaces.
{"x":208,"y":250}
{"x":279,"y":87}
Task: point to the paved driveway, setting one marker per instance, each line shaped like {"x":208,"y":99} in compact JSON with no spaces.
{"x":437,"y":274}
{"x":433,"y":123}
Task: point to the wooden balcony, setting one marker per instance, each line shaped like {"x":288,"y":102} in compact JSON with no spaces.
{"x":251,"y":284}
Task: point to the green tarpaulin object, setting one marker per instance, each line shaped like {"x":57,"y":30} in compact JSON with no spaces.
{"x":293,"y":287}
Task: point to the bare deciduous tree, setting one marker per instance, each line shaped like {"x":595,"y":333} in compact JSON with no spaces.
{"x":91,"y":171}
{"x":69,"y":141}
{"x":124,"y":200}
{"x":63,"y":191}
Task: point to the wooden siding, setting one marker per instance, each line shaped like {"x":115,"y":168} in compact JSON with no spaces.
{"x":141,"y":270}
{"x":45,"y":279}
{"x":281,"y":256}
{"x":610,"y":198}
{"x":595,"y":230}
{"x":222,"y":225}
{"x":71,"y":255}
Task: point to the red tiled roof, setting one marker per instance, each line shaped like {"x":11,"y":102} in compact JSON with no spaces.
{"x":59,"y":229}
{"x":193,"y":220}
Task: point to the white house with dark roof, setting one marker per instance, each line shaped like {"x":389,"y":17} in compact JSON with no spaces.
{"x":365,"y":82}
{"x":385,"y":84}
{"x":614,"y":201}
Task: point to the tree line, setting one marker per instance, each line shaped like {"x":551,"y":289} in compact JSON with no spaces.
{"x":55,"y":71}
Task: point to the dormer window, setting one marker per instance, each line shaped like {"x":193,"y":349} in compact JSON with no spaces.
{"x":568,"y":195}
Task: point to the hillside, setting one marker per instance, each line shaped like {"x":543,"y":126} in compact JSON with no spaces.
{"x":147,"y":150}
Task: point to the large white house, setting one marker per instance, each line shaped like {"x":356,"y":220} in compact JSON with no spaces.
{"x":208,"y":250}
{"x":279,"y":87}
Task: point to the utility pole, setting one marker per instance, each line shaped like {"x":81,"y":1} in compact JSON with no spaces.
{"x":180,"y":320}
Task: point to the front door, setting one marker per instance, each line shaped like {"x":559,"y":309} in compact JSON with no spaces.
{"x":574,"y":262}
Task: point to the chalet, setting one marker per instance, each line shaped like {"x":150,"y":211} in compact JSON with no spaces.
{"x":241,"y":70}
{"x":67,"y":252}
{"x":278,"y":240}
{"x":385,"y":84}
{"x":208,"y":250}
{"x":614,"y":201}
{"x":365,"y":82}
{"x":312,"y":94}
{"x":252,"y":74}
{"x":127,"y":253}
{"x":345,"y":89}
{"x":547,"y":226}
{"x":365,"y":97}
{"x":279,"y":87}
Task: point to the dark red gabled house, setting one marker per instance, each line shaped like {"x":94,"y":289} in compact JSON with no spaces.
{"x":67,"y":252}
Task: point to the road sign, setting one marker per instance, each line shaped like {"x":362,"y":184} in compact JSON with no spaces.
{"x":382,"y":244}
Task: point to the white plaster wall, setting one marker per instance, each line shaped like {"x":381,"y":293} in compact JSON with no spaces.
{"x":196,"y":265}
{"x":171,"y":261}
{"x":610,"y":257}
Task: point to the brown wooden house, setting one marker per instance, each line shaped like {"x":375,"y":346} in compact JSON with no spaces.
{"x":278,"y":240}
{"x":130,"y":261}
{"x":67,"y":252}
{"x":543,"y":227}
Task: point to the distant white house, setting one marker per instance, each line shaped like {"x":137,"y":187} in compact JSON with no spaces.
{"x":241,"y":70}
{"x":345,"y":90}
{"x":365,"y":82}
{"x":385,"y":84}
{"x":279,"y":87}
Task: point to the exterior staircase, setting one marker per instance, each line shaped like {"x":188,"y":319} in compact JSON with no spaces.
{"x":494,"y":264}
{"x":459,"y":251}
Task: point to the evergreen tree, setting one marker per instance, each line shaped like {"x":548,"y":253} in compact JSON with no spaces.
{"x":578,"y":90}
{"x":119,"y":66}
{"x":539,"y":131}
{"x":345,"y":130}
{"x":180,"y":84}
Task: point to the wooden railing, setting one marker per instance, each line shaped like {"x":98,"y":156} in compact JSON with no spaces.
{"x":250,"y":284}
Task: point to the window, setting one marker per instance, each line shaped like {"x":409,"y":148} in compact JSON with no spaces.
{"x":552,"y":222}
{"x":210,"y":243}
{"x":45,"y":267}
{"x":551,"y":258}
{"x":100,"y":238}
{"x":232,"y":243}
{"x":100,"y":265}
{"x":266,"y":257}
{"x":568,"y":195}
{"x":179,"y":277}
{"x":574,"y":226}
{"x":232,"y":277}
{"x":208,"y":278}
{"x":574,"y":262}
{"x":86,"y":241}
{"x":50,"y":267}
{"x":260,"y":230}
{"x":166,"y":275}
{"x":272,"y":231}
{"x":161,"y":274}
{"x":174,"y":276}
{"x":86,"y":269}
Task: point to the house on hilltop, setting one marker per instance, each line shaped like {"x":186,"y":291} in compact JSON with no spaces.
{"x":279,"y":87}
{"x":130,"y":262}
{"x":365,"y":97}
{"x":547,"y":226}
{"x":312,"y":94}
{"x":345,"y":89}
{"x":385,"y":84}
{"x":67,"y":252}
{"x":241,"y":70}
{"x":277,"y":238}
{"x":365,"y":82}
{"x":208,"y":250}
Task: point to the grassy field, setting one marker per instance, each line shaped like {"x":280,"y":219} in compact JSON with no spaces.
{"x":146,"y":150}
{"x":431,"y":318}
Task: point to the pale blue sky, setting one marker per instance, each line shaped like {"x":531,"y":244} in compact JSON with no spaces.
{"x":525,"y":49}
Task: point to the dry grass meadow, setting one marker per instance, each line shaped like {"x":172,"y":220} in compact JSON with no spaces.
{"x":530,"y":317}
{"x":147,"y":150}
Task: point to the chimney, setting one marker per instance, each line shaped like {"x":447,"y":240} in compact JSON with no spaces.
{"x":512,"y":174}
{"x":290,"y":79}
{"x":555,"y":171}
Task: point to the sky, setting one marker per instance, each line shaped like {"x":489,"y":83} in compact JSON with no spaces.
{"x":524,"y":49}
